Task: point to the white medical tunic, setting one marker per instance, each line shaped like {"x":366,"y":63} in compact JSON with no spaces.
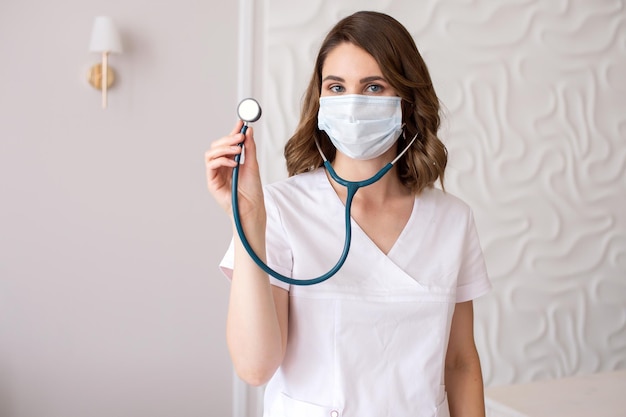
{"x":370,"y":341}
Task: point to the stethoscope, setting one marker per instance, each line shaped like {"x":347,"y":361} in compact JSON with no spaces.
{"x":249,"y":111}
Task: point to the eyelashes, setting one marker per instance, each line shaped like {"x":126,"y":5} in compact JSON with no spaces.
{"x":369,"y":89}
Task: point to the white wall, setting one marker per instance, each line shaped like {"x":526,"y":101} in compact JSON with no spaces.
{"x":535,"y":99}
{"x":110,"y":303}
{"x":110,"y":299}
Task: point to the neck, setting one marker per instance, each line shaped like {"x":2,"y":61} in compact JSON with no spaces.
{"x":355,"y":170}
{"x":387,"y":186}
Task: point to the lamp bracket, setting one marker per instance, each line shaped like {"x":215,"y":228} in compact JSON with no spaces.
{"x":95,"y":76}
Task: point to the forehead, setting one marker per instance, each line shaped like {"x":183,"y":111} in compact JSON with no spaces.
{"x":347,"y":60}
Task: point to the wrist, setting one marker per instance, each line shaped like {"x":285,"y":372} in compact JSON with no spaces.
{"x":253,"y":227}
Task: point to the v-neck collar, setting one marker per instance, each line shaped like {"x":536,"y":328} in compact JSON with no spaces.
{"x":356,"y":228}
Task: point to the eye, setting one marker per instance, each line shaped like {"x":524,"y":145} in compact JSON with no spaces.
{"x":336,"y":88}
{"x":374,"y":88}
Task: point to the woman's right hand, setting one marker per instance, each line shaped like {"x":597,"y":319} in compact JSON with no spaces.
{"x":219,"y":171}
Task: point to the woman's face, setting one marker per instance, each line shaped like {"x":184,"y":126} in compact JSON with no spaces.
{"x":349,"y":69}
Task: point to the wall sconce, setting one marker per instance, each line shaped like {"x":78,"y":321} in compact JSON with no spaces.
{"x":104,"y":40}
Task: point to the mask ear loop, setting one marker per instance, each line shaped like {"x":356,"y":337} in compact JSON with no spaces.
{"x":353,"y":186}
{"x":404,"y":150}
{"x":319,"y":149}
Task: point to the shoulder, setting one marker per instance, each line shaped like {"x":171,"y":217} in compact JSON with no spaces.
{"x":443,"y":201}
{"x":304,"y":183}
{"x":295,"y":201}
{"x":446,"y":210}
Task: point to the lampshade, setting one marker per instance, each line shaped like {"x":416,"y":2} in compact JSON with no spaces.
{"x":104,"y":36}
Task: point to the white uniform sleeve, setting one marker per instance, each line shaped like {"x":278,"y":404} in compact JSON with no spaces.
{"x":228,"y":261}
{"x":278,"y":252}
{"x":473,"y":280}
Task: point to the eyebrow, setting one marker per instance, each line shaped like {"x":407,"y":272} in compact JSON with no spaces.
{"x":362,"y":80}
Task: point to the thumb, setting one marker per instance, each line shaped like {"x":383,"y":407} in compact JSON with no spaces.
{"x":250,"y":147}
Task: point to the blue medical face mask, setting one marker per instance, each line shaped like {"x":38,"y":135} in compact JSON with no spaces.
{"x":361,"y":127}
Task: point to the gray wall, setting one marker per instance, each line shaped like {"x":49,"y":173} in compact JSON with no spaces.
{"x":110,"y":299}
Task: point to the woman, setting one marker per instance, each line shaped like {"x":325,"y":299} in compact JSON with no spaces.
{"x":391,"y":334}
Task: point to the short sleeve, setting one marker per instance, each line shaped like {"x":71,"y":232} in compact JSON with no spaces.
{"x":279,"y":256}
{"x":228,"y":261}
{"x":473,"y":280}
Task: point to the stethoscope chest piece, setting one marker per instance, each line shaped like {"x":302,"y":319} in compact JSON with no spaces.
{"x":249,"y":110}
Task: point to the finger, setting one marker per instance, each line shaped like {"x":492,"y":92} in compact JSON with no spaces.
{"x":230,"y":140}
{"x":219,"y":172}
{"x":237,"y":127}
{"x":217,"y":163}
{"x":249,"y":140}
{"x":250,"y":144}
{"x":222,"y":151}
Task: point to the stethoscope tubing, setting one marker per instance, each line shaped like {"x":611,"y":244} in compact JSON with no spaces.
{"x":351,"y":186}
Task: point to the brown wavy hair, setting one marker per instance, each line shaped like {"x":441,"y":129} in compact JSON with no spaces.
{"x":403,"y":67}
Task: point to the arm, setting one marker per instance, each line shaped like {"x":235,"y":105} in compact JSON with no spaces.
{"x":256,"y":328}
{"x":463,"y":376}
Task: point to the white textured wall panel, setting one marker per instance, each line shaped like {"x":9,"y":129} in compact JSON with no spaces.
{"x":535,"y":123}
